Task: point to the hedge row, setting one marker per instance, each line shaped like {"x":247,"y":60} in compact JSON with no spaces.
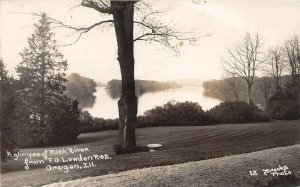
{"x":183,"y":114}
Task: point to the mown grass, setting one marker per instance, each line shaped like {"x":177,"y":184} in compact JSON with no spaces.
{"x":180,"y":144}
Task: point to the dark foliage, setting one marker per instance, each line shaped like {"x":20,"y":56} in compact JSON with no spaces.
{"x":44,"y":116}
{"x":93,"y":124}
{"x":174,"y":114}
{"x":81,"y":89}
{"x":237,"y":112}
{"x":61,"y":127}
{"x":171,"y":114}
{"x":284,"y":105}
{"x":64,"y":124}
{"x":181,"y":114}
{"x":7,"y":108}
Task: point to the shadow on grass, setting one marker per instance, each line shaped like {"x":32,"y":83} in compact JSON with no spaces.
{"x":119,"y":150}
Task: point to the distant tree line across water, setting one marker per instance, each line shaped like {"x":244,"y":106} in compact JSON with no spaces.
{"x":82,"y":89}
{"x":114,"y":87}
{"x":221,"y":89}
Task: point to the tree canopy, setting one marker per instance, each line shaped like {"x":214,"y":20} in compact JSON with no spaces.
{"x":42,"y":83}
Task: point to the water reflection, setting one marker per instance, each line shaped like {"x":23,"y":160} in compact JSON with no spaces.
{"x":87,"y":102}
{"x":106,"y":106}
{"x":116,"y":94}
{"x":113,"y":94}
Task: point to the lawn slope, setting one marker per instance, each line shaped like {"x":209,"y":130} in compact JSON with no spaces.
{"x":180,"y":144}
{"x":224,"y":171}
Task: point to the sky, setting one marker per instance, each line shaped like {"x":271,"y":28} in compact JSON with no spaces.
{"x":95,"y":54}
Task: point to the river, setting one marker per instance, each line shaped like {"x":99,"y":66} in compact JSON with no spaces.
{"x":106,"y":107}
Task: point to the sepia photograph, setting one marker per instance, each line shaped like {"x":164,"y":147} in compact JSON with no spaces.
{"x":116,"y":93}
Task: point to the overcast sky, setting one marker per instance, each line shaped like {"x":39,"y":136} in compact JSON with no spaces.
{"x":94,"y":55}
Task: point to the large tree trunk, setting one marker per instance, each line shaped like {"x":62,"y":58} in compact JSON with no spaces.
{"x":123,"y":20}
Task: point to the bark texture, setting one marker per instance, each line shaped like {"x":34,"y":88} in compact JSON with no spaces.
{"x":123,"y":12}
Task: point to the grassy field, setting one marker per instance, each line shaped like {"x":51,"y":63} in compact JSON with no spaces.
{"x":180,"y":144}
{"x":226,"y":171}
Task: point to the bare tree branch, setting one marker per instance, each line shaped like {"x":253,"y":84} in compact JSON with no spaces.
{"x":275,"y":66}
{"x":233,"y":86}
{"x":151,"y":29}
{"x":245,"y":60}
{"x":199,"y":1}
{"x":102,"y":7}
{"x":292,"y":52}
{"x":82,"y":30}
{"x":265,"y":87}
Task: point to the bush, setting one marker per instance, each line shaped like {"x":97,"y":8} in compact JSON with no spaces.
{"x":174,"y":114}
{"x":237,"y":112}
{"x":8,"y":104}
{"x":93,"y":124}
{"x":284,"y":106}
{"x":64,"y":126}
{"x":61,"y":126}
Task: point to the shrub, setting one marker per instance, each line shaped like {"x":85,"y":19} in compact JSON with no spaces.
{"x":64,"y":126}
{"x":8,"y":104}
{"x":284,"y":106}
{"x":173,"y":114}
{"x":237,"y":112}
{"x":111,"y":124}
{"x":61,"y":126}
{"x":86,"y":120}
{"x":93,"y":124}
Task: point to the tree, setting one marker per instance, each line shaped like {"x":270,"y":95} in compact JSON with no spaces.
{"x":42,"y":71}
{"x":245,"y":59}
{"x":42,"y":83}
{"x":7,"y":108}
{"x":233,"y":86}
{"x":292,"y":50}
{"x":265,"y":87}
{"x":152,"y":30}
{"x":276,"y":66}
{"x":3,"y":71}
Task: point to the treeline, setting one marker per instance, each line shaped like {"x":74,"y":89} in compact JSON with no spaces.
{"x":281,"y":103}
{"x":81,"y":89}
{"x":114,"y":87}
{"x":186,"y":113}
{"x":220,"y":89}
